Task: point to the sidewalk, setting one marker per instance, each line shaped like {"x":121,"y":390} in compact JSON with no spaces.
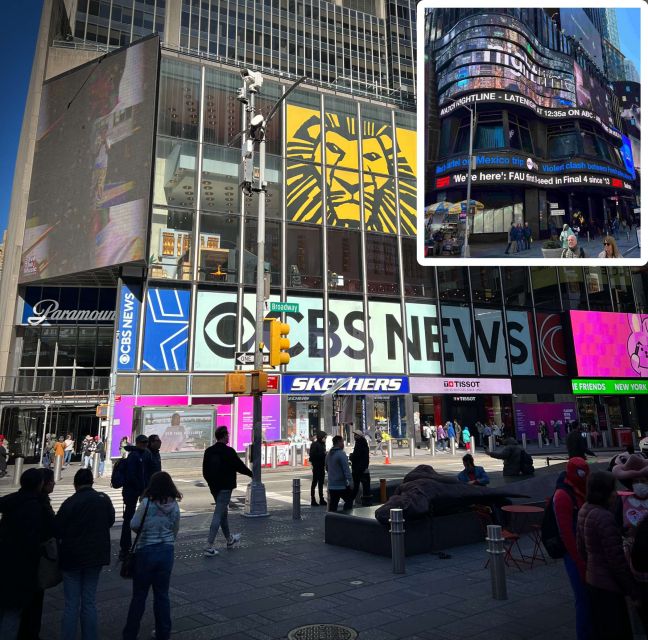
{"x":284,"y":576}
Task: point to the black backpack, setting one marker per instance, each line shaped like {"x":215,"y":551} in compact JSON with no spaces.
{"x":549,"y":531}
{"x":118,"y":475}
{"x":526,"y":463}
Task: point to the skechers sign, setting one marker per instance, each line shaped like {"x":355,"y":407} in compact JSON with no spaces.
{"x":129,"y":309}
{"x":49,"y":306}
{"x":354,"y":384}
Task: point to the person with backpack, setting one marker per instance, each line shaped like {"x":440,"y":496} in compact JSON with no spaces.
{"x":220,"y":466}
{"x":83,"y":531}
{"x":317,"y":458}
{"x":559,"y":536}
{"x":136,"y":470}
{"x":516,"y":460}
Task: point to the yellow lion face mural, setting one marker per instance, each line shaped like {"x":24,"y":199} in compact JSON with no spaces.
{"x":340,"y":151}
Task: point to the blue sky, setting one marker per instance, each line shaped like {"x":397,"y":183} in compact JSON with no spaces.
{"x":629,"y":36}
{"x":17,"y":53}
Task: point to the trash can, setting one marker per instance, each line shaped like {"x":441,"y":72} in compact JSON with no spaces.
{"x":623,"y":437}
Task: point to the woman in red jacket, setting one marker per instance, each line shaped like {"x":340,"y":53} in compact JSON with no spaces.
{"x":608,"y":576}
{"x":567,"y":501}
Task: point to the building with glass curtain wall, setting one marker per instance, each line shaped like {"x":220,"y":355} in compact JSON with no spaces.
{"x":152,"y":322}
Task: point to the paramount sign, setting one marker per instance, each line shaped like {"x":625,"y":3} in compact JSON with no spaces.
{"x":48,"y":311}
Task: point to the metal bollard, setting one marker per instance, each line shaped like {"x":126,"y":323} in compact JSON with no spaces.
{"x":18,"y":469}
{"x":491,"y":444}
{"x":556,"y":440}
{"x":303,"y":454}
{"x":432,"y":446}
{"x":96,"y":459}
{"x":539,"y":440}
{"x":58,"y":464}
{"x":635,"y":442}
{"x":273,"y":457}
{"x":472,"y":445}
{"x":453,"y":444}
{"x":389,"y":449}
{"x":383,"y":490}
{"x":412,"y":447}
{"x":604,"y":442}
{"x":588,"y":439}
{"x":397,"y":540}
{"x":293,"y":455}
{"x":248,"y":455}
{"x":524,"y":443}
{"x":296,"y":499}
{"x":495,"y":547}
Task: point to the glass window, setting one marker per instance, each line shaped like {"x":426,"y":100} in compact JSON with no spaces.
{"x":175,"y":173}
{"x":104,"y":346}
{"x":516,"y":287}
{"x":86,"y":347}
{"x":220,"y":180}
{"x":272,"y":251}
{"x":179,"y":101}
{"x":572,"y":285}
{"x":265,"y":102}
{"x":562,"y":141}
{"x":545,"y":287}
{"x":486,"y":285}
{"x":344,"y":259}
{"x":621,"y":285}
{"x":48,"y":340}
{"x":171,"y":232}
{"x":382,"y":264}
{"x":519,"y":135}
{"x":453,"y":283}
{"x":219,"y":238}
{"x":29,"y":347}
{"x":273,"y":198}
{"x":222,"y":110}
{"x":598,"y":289}
{"x":303,"y":257}
{"x":66,"y":347}
{"x":418,"y":280}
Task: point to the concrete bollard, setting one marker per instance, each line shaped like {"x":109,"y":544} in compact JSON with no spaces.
{"x":556,"y":440}
{"x":273,"y":457}
{"x":383,"y":490}
{"x":412,"y":447}
{"x":293,"y":455}
{"x":58,"y":465}
{"x":604,"y":442}
{"x":453,"y":444}
{"x":432,"y":446}
{"x":296,"y":486}
{"x":18,"y":469}
{"x":397,"y":540}
{"x":495,"y":548}
{"x":524,"y":442}
{"x":539,"y":440}
{"x":588,"y":439}
{"x":389,"y":449}
{"x":96,"y":459}
{"x":472,"y":445}
{"x":491,"y":444}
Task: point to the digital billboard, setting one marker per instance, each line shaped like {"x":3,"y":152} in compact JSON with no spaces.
{"x":91,"y":178}
{"x":574,"y":22}
{"x":591,"y":95}
{"x":610,"y":345}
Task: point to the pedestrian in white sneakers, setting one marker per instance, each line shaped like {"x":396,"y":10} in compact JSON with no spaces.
{"x":220,"y":466}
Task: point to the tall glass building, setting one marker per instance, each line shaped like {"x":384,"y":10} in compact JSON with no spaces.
{"x":129,"y":278}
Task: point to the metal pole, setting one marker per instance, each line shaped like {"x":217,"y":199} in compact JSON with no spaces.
{"x":389,"y":449}
{"x":296,"y":499}
{"x":604,"y":442}
{"x":588,"y":439}
{"x":539,"y":440}
{"x":397,"y":540}
{"x":495,"y":547}
{"x":248,"y":455}
{"x":273,"y":457}
{"x":412,"y":447}
{"x":256,"y":503}
{"x":42,"y":448}
{"x":18,"y":468}
{"x":524,"y":442}
{"x":556,"y":439}
{"x":293,"y":455}
{"x":304,"y":458}
{"x":58,"y":464}
{"x":472,"y":445}
{"x":432,"y":446}
{"x":466,"y":247}
{"x":383,"y":490}
{"x":95,"y":465}
{"x":635,"y":443}
{"x":452,"y":446}
{"x":491,"y":444}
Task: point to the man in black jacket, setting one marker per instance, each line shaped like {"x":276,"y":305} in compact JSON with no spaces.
{"x":83,"y":531}
{"x":317,"y":458}
{"x":136,"y":478}
{"x":360,"y":467}
{"x":220,"y":466}
{"x":154,"y":444}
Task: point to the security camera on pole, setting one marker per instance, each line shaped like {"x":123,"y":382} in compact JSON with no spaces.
{"x":252,"y":181}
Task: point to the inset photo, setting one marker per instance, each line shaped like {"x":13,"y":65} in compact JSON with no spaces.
{"x":532,"y":133}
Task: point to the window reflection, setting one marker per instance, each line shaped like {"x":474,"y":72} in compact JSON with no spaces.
{"x":171,"y":232}
{"x":303,"y":257}
{"x":218,"y":252}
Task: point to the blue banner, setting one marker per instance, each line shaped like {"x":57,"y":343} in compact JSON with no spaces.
{"x":626,"y":154}
{"x":360,"y":385}
{"x":129,"y":309}
{"x":49,"y":306}
{"x":166,"y":332}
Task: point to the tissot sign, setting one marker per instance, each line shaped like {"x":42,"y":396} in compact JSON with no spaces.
{"x":472,"y":386}
{"x":353,"y":384}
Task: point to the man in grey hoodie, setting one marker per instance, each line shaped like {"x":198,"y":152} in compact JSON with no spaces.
{"x":339,"y":476}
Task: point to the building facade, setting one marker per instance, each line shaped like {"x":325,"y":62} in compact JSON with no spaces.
{"x":134,"y":288}
{"x":548,"y":127}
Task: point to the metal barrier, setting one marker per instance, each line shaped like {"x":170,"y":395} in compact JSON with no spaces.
{"x":556,"y":439}
{"x":491,"y":444}
{"x":604,"y":442}
{"x":540,"y":443}
{"x":412,"y":447}
{"x":397,"y":540}
{"x":389,"y":449}
{"x":495,"y":548}
{"x":273,"y":457}
{"x":453,"y":444}
{"x":18,"y":468}
{"x":472,"y":445}
{"x":96,"y":459}
{"x":296,"y":495}
{"x":58,"y":465}
{"x":293,"y":455}
{"x":432,"y":446}
{"x":524,"y":442}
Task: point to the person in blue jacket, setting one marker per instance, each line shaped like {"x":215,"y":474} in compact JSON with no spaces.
{"x":473,"y":474}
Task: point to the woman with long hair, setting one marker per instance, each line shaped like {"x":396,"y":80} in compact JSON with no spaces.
{"x":610,"y":249}
{"x":158,"y":516}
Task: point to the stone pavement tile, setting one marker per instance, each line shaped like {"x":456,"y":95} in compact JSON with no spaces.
{"x":186,"y":623}
{"x":216,"y":630}
{"x":363,"y":621}
{"x":303,"y":607}
{"x":412,"y":625}
{"x":257,"y":606}
{"x":376,"y":634}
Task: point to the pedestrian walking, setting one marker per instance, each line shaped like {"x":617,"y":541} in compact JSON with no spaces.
{"x":465,"y":437}
{"x":82,"y":527}
{"x":528,"y":236}
{"x":88,"y":448}
{"x":24,"y":526}
{"x":317,"y":458}
{"x":137,"y":474}
{"x":4,"y":457}
{"x":48,"y":451}
{"x":220,"y":466}
{"x":100,"y":450}
{"x":59,"y":450}
{"x":123,"y":443}
{"x":512,"y":243}
{"x":564,"y":235}
{"x":154,"y":445}
{"x":339,"y":476}
{"x":608,"y":577}
{"x":69,"y":449}
{"x":442,"y":438}
{"x":379,"y":442}
{"x":450,"y":432}
{"x":157,"y":522}
{"x":360,"y":466}
{"x":610,"y":248}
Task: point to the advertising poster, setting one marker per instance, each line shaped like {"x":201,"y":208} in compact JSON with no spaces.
{"x":215,"y":331}
{"x":522,"y":344}
{"x":423,"y":347}
{"x":306,"y":334}
{"x":49,"y":306}
{"x":270,"y":420}
{"x":551,"y":344}
{"x":181,"y":430}
{"x":610,"y":345}
{"x":347,"y":335}
{"x":385,"y":325}
{"x":301,"y":421}
{"x":528,"y":416}
{"x":129,"y":310}
{"x":458,"y":345}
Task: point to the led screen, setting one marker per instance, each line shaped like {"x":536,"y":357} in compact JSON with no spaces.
{"x":610,"y":345}
{"x":575,"y":23}
{"x":91,"y":179}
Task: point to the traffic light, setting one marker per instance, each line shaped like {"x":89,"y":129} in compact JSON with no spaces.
{"x":279,"y":345}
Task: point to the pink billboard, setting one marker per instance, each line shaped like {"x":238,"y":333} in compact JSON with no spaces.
{"x":610,"y":345}
{"x":270,"y":420}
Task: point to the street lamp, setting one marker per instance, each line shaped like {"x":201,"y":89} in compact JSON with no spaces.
{"x":473,"y":120}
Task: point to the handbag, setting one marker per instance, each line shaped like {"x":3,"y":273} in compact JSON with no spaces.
{"x":49,"y":572}
{"x":128,"y":563}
